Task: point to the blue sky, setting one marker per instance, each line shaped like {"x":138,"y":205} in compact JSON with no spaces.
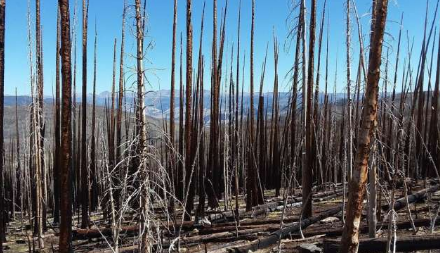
{"x":271,"y":16}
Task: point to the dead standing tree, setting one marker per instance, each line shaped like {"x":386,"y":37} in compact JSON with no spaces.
{"x":434,"y":134}
{"x":213,"y":165}
{"x":118,"y":131}
{"x":93,"y":172}
{"x":141,"y":131}
{"x":189,"y":184}
{"x":2,"y":88}
{"x":200,"y":115}
{"x":308,"y":170}
{"x":294,"y":98}
{"x":172,"y":165}
{"x":38,"y":132}
{"x":236,"y":146}
{"x":57,"y":132}
{"x":84,"y":169}
{"x":252,"y":188}
{"x":275,"y":127}
{"x":66,"y":131}
{"x":350,"y":237}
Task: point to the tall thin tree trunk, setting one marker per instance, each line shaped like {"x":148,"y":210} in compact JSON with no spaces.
{"x":434,"y":133}
{"x":18,"y":175}
{"x":350,"y":236}
{"x":57,"y":137}
{"x":2,"y":88}
{"x":119,"y":149}
{"x":38,"y":132}
{"x":39,"y":129}
{"x":349,"y":107}
{"x":84,"y":169}
{"x":252,"y":190}
{"x":276,"y":164}
{"x":172,"y":164}
{"x":66,"y":133}
{"x":308,"y":170}
{"x":189,"y":184}
{"x":179,"y":178}
{"x":294,"y":98}
{"x":202,"y":169}
{"x":372,"y":198}
{"x":93,"y":172}
{"x":236,"y":130}
{"x":141,"y":129}
{"x":213,"y":165}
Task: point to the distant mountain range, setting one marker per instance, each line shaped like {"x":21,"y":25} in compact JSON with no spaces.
{"x":158,"y":102}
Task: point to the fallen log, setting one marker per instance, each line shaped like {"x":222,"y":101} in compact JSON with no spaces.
{"x":218,"y":236}
{"x":403,"y":244}
{"x":83,"y":234}
{"x":295,"y":203}
{"x":276,"y":205}
{"x":401,"y":203}
{"x":215,"y":248}
{"x":256,"y":222}
{"x":262,"y":227}
{"x":257,"y":210}
{"x":334,"y":232}
{"x":281,"y":233}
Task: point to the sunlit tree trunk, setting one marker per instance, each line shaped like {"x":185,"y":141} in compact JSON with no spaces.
{"x":141,"y":130}
{"x":350,"y":236}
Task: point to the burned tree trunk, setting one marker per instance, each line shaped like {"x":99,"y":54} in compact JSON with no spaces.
{"x":294,"y":98}
{"x":213,"y":159}
{"x":2,"y":88}
{"x":200,"y":108}
{"x":118,"y":156}
{"x":39,"y":131}
{"x":275,"y":128}
{"x":434,"y":134}
{"x":172,"y":164}
{"x":349,"y":111}
{"x":350,"y":237}
{"x":93,"y":172}
{"x":179,"y":176}
{"x":237,"y":143}
{"x":189,"y":184}
{"x":57,"y":134}
{"x":66,"y":133}
{"x":318,"y":175}
{"x":252,"y":188}
{"x":84,"y":170}
{"x":307,"y":175}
